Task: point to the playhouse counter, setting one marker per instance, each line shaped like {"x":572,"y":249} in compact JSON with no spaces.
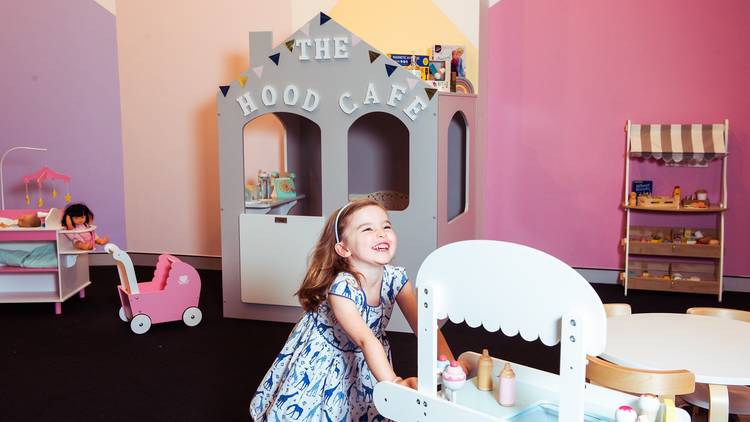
{"x":533,"y":388}
{"x":272,"y":206}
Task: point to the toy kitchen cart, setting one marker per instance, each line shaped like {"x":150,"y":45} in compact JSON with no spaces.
{"x":354,"y":125}
{"x":65,"y":269}
{"x":674,"y":241}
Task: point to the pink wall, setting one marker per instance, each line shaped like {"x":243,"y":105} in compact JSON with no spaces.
{"x":565,"y":75}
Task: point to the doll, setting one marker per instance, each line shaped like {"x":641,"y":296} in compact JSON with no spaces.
{"x":80,"y":217}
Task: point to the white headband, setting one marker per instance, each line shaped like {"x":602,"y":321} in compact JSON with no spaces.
{"x":336,"y":223}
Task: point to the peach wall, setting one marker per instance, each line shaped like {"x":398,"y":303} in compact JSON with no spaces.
{"x":173,"y":55}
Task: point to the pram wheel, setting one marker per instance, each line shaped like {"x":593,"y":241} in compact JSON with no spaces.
{"x":192,"y":316}
{"x":121,"y":313}
{"x":140,"y":323}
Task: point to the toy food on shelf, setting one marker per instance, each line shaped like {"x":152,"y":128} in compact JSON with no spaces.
{"x":698,"y":200}
{"x":632,"y":199}
{"x":657,"y":201}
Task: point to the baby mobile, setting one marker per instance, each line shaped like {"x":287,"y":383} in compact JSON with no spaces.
{"x":46,"y":173}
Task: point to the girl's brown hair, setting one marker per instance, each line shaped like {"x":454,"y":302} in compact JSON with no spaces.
{"x":325,"y":263}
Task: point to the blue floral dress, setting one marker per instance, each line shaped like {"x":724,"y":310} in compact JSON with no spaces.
{"x":320,"y":375}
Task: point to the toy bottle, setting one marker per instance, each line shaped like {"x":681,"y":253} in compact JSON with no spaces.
{"x":484,"y":371}
{"x":507,"y":389}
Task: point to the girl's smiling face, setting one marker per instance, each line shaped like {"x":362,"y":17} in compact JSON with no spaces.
{"x":368,"y":239}
{"x":80,"y":220}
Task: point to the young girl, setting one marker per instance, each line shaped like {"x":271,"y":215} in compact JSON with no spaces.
{"x":338,"y":351}
{"x":80,"y":217}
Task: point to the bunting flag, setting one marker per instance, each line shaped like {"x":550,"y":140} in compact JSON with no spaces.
{"x":224,"y":89}
{"x":243,"y":80}
{"x":305,"y":29}
{"x":290,"y":45}
{"x":430,"y":92}
{"x":412,"y":83}
{"x":355,"y":40}
{"x":374,"y":56}
{"x":258,"y":70}
{"x":389,"y":68}
{"x":324,"y":18}
{"x":275,"y":58}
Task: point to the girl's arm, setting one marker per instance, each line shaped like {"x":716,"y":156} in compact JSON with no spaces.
{"x":407,"y":301}
{"x":355,"y":327}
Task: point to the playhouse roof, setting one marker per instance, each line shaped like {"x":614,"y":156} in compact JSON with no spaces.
{"x":341,"y":70}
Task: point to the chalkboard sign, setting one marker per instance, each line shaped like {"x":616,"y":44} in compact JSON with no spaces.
{"x":643,"y":187}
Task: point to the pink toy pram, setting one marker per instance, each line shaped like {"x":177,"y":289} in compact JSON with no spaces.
{"x":173,"y":294}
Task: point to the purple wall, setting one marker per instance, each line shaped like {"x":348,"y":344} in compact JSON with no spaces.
{"x":566,"y":75}
{"x":60,"y":90}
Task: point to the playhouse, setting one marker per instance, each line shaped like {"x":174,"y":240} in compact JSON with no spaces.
{"x":355,"y":124}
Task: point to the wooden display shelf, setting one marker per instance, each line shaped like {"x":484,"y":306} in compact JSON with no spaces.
{"x":684,"y":286}
{"x":678,"y":210}
{"x":662,"y":276}
{"x":675,"y":249}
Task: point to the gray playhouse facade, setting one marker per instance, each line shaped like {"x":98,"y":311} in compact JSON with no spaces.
{"x":355,"y":124}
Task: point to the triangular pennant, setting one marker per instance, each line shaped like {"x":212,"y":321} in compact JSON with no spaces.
{"x":374,"y":56}
{"x":224,"y":89}
{"x":275,"y":58}
{"x":412,"y":83}
{"x":355,"y":40}
{"x":242,"y":80}
{"x":324,"y":18}
{"x":290,"y":45}
{"x":258,"y":70}
{"x":430,"y":92}
{"x":389,"y":68}
{"x":305,"y":29}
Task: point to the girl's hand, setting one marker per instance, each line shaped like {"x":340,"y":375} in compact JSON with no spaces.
{"x":410,"y":382}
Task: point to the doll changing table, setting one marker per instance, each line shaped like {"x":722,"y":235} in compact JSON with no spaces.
{"x":516,"y":289}
{"x":54,"y":284}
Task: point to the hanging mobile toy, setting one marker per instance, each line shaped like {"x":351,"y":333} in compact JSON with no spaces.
{"x":40,"y":201}
{"x":40,"y":176}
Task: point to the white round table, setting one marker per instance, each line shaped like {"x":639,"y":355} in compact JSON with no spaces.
{"x":714,"y":349}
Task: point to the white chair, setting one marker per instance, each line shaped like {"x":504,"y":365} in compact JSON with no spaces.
{"x":508,"y":287}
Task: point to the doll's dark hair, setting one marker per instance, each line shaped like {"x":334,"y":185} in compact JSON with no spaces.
{"x":77,"y":210}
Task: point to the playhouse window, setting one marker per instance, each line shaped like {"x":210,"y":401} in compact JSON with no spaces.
{"x":378,"y":160}
{"x":458,"y":165}
{"x":284,"y":143}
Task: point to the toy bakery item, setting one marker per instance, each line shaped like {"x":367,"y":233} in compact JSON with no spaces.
{"x":442,"y":364}
{"x":625,"y":414}
{"x":454,"y":379}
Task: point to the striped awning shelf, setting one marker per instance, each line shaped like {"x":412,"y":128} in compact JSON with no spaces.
{"x":687,"y":144}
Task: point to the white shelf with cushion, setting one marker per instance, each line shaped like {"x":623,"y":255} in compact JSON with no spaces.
{"x":51,"y":278}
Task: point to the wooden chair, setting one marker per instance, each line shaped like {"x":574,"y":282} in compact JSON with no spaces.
{"x":639,"y":381}
{"x":721,"y":313}
{"x":617,"y":309}
{"x":739,"y":396}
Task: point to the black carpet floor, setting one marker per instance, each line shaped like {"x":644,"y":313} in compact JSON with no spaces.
{"x":86,"y":364}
